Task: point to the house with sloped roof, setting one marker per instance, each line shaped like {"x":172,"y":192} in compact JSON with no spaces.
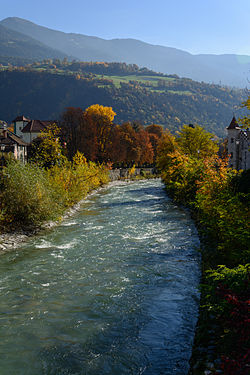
{"x":238,"y":146}
{"x":11,"y":144}
{"x":28,"y":129}
{"x":32,"y":130}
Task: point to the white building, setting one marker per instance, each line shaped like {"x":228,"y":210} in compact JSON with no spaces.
{"x":27,"y":129}
{"x":238,"y":146}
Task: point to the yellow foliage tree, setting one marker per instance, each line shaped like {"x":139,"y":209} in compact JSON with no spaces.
{"x":48,"y":151}
{"x":102,"y":118}
{"x":79,"y":159}
{"x":167,"y":145}
{"x":101,"y":113}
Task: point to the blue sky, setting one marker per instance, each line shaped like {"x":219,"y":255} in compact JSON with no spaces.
{"x":197,"y":26}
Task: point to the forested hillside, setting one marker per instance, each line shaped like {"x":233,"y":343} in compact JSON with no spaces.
{"x":44,"y":90}
{"x":227,"y":69}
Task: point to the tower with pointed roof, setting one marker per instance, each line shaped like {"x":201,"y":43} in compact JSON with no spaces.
{"x":238,"y":146}
{"x":19,"y":123}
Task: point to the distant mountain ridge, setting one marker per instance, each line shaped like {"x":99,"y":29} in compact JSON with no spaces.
{"x":232,"y":70}
{"x":13,"y":43}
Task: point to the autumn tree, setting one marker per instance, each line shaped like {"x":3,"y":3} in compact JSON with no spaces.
{"x":129,"y":146}
{"x":145,"y":147}
{"x":155,"y":134}
{"x":79,"y":132}
{"x":167,"y":145}
{"x":136,"y":125}
{"x":47,"y":150}
{"x":155,"y":129}
{"x":116,"y":150}
{"x":71,"y":124}
{"x":101,"y":118}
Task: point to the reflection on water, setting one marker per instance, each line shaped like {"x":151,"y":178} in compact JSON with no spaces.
{"x":112,"y":290}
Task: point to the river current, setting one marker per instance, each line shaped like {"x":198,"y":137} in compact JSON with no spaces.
{"x":111,"y":290}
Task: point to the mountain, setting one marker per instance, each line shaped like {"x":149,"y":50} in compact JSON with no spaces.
{"x":137,"y":94}
{"x":224,"y":69}
{"x":15,"y":44}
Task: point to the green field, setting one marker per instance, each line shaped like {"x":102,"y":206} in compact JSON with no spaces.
{"x":153,"y":83}
{"x":150,"y":81}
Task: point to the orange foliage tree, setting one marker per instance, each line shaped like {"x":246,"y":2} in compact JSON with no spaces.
{"x":155,"y":133}
{"x":93,"y":133}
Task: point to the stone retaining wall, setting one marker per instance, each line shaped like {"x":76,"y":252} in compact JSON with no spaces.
{"x":123,"y":173}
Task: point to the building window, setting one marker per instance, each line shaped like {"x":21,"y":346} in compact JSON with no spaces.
{"x":232,"y":155}
{"x":232,"y":140}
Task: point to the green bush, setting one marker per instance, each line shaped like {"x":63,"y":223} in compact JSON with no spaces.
{"x":27,"y":197}
{"x":31,"y":195}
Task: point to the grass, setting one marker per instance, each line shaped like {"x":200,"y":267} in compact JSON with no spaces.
{"x":150,"y":81}
{"x":180,"y":92}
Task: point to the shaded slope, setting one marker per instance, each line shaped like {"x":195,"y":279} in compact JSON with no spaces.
{"x":46,"y":95}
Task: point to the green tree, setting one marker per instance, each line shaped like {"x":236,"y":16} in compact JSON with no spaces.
{"x":48,"y":151}
{"x":245,"y":121}
{"x":196,"y":142}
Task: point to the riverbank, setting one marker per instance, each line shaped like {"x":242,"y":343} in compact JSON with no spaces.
{"x":32,"y":196}
{"x":220,"y":203}
{"x":12,"y":239}
{"x":196,"y":177}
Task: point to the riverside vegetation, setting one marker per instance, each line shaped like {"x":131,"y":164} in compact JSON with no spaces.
{"x":68,"y":161}
{"x":44,"y":188}
{"x":219,"y":199}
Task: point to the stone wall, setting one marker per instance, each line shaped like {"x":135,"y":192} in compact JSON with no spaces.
{"x":123,"y":173}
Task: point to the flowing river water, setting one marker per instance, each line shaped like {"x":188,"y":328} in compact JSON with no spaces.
{"x":112,"y":290}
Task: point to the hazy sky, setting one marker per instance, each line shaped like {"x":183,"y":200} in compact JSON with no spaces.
{"x":197,"y":26}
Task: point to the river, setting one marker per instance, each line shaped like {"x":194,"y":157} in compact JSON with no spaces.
{"x":111,"y":290}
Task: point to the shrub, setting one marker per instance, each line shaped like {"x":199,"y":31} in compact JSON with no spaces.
{"x":27,"y":197}
{"x":227,"y":296}
{"x":31,"y":195}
